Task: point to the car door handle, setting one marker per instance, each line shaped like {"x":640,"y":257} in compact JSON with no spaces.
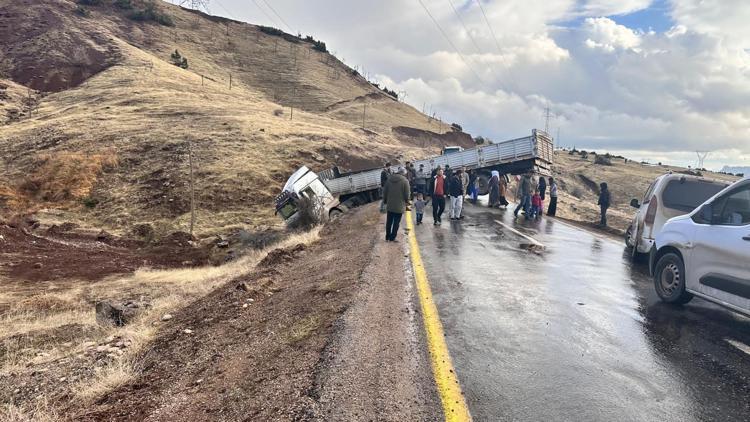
{"x":746,"y":238}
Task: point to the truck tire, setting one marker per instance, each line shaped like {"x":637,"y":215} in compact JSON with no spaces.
{"x":483,"y":183}
{"x":335,"y":213}
{"x":669,"y":279}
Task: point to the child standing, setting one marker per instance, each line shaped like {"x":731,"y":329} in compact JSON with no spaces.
{"x":536,"y":205}
{"x":419,"y":204}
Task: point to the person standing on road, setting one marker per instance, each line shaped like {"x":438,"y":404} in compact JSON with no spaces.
{"x":384,"y":174}
{"x":411,"y":175}
{"x":419,"y":205}
{"x":503,"y":183}
{"x":604,"y":202}
{"x":494,"y":189}
{"x":473,"y":188}
{"x":552,"y":209}
{"x":542,"y":187}
{"x":524,"y":194}
{"x":456,"y":190}
{"x":536,"y":205}
{"x":421,"y":181}
{"x":396,"y":195}
{"x":464,"y":182}
{"x":438,"y":189}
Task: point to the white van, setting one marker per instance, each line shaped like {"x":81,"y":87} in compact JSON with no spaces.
{"x":707,"y":252}
{"x":670,"y":195}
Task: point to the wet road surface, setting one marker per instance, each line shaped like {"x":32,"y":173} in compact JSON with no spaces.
{"x":576,"y":332}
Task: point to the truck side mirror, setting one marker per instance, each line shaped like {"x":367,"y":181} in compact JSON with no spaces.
{"x":634,"y":203}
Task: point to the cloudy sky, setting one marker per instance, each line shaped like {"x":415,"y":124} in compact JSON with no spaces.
{"x":652,"y":79}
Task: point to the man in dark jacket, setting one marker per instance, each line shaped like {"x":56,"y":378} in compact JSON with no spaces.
{"x":396,"y":194}
{"x":384,"y":174}
{"x":604,"y":202}
{"x":456,"y":190}
{"x":524,"y":195}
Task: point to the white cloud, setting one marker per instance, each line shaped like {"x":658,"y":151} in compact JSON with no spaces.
{"x":606,"y":34}
{"x":613,"y":87}
{"x":614,"y":7}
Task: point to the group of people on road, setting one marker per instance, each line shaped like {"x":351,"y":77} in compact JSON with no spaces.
{"x":531,"y":194}
{"x":411,"y":186}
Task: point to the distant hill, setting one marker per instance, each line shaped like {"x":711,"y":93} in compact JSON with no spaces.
{"x":98,"y":118}
{"x":736,"y":170}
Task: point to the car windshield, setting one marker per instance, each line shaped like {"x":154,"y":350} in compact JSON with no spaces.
{"x":288,"y":209}
{"x":685,"y":195}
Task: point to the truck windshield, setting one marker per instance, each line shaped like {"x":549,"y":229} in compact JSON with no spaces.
{"x":451,"y":150}
{"x":288,"y":209}
{"x":686,"y":195}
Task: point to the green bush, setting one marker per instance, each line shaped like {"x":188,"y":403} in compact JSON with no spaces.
{"x":152,"y":13}
{"x":82,"y":11}
{"x":178,"y":60}
{"x":90,"y":202}
{"x":320,"y":46}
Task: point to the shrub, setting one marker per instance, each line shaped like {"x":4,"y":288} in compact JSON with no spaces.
{"x":90,"y":202}
{"x":178,"y":60}
{"x":479,"y":140}
{"x":151,"y":13}
{"x":271,"y":30}
{"x":457,"y":127}
{"x":90,"y":2}
{"x":82,"y":11}
{"x":584,"y":155}
{"x":278,"y":112}
{"x":320,"y":46}
{"x":388,"y":91}
{"x":603,"y":160}
{"x":740,"y":174}
{"x":124,"y":4}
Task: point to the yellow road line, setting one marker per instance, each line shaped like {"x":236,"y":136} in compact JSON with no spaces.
{"x":454,"y":405}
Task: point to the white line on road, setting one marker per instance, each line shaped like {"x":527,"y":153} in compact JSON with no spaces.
{"x":530,"y":239}
{"x":739,"y":345}
{"x":584,"y":229}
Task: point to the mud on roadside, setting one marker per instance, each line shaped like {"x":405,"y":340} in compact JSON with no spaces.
{"x":249,"y":350}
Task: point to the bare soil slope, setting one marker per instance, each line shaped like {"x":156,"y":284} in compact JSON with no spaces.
{"x":115,"y":119}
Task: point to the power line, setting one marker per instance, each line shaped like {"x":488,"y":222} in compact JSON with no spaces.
{"x":473,"y":41}
{"x":272,"y":20}
{"x":487,"y":21}
{"x":225,"y":9}
{"x":279,"y":16}
{"x":445,"y":35}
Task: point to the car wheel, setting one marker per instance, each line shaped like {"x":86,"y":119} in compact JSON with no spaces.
{"x":669,"y":279}
{"x":628,"y":234}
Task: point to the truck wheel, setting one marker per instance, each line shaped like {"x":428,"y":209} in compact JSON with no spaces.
{"x":669,"y":279}
{"x":483,"y":183}
{"x":334,"y":214}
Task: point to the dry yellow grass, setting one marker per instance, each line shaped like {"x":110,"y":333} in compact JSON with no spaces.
{"x":25,"y":324}
{"x":146,"y":109}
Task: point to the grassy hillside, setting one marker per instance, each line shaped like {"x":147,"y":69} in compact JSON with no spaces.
{"x":109,"y":137}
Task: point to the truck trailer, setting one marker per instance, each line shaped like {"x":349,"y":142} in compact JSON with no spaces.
{"x":335,"y":192}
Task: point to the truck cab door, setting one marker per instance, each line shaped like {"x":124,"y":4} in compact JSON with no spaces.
{"x":720,"y":258}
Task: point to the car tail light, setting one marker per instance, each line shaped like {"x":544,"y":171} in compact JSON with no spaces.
{"x":651,"y":211}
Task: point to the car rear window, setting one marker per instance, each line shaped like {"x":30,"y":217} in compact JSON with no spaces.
{"x":686,"y":195}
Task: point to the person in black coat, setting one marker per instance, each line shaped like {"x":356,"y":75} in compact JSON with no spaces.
{"x":542,"y":186}
{"x":604,"y":201}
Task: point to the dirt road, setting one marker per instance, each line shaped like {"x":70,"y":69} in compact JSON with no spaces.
{"x":325,"y":333}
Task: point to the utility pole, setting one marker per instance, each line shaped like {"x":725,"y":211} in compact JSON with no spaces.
{"x":557,"y":139}
{"x":546,"y":119}
{"x":291,"y":104}
{"x":702,"y":158}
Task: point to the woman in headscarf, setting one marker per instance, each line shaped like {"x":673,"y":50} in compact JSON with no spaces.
{"x":503,"y":191}
{"x":494,"y":188}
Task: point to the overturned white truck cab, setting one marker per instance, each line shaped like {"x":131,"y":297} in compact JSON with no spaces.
{"x":336,"y":192}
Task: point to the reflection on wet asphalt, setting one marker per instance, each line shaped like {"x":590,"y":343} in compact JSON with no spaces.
{"x":576,"y":332}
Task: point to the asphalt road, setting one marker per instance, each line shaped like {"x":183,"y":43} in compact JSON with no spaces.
{"x":575,"y":332}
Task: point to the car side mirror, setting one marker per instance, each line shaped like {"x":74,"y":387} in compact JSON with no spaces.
{"x":634,"y":203}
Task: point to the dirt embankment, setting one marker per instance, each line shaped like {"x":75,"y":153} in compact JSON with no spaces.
{"x":260,"y":347}
{"x":424,"y":138}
